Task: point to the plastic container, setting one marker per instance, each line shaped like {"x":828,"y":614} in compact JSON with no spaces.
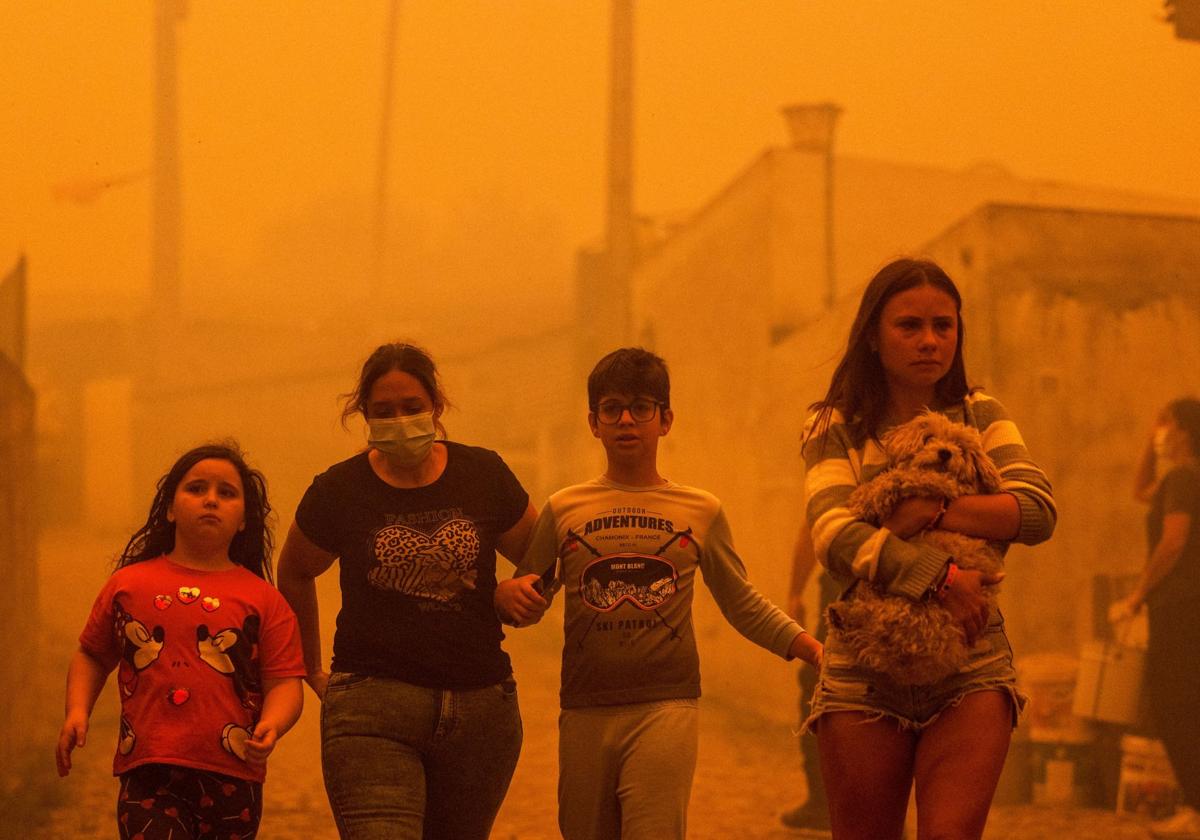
{"x":1060,"y":773}
{"x":1049,"y":680}
{"x":1147,"y":785}
{"x":1109,"y":687}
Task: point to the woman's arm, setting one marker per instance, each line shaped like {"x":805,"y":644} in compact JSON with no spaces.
{"x":85,"y":679}
{"x":300,"y":563}
{"x":804,"y":562}
{"x":1144,"y":480}
{"x":283,"y":700}
{"x":514,"y":542}
{"x":1163,"y":558}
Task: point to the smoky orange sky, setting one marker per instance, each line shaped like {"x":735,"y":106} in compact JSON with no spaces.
{"x":497,"y":168}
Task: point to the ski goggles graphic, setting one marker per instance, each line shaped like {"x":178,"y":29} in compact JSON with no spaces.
{"x":643,"y":580}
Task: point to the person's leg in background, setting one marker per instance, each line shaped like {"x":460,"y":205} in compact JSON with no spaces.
{"x":813,"y":812}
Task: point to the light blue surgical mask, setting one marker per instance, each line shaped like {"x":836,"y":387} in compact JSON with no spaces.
{"x":408,"y":438}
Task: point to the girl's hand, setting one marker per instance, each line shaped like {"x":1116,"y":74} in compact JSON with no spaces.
{"x":73,"y":734}
{"x":805,"y":647}
{"x":318,"y":681}
{"x":518,"y":603}
{"x":967,"y":600}
{"x":911,"y":516}
{"x":260,"y":744}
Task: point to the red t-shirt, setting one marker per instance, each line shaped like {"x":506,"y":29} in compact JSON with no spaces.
{"x":192,"y":649}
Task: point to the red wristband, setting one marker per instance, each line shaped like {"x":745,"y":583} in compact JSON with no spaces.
{"x":948,"y":581}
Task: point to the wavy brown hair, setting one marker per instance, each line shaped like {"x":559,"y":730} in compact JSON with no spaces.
{"x":858,"y":388}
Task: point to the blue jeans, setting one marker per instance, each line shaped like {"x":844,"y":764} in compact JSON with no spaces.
{"x":403,"y":762}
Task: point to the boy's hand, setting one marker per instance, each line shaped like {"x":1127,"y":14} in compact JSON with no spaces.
{"x":260,"y":744}
{"x":73,"y":734}
{"x":805,"y":647}
{"x":518,"y":603}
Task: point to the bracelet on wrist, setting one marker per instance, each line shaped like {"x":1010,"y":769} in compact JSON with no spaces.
{"x":948,"y":581}
{"x":934,"y":523}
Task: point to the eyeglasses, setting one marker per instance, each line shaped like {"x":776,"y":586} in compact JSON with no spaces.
{"x":642,"y":411}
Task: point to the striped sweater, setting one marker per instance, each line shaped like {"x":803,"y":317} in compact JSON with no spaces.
{"x":851,"y":548}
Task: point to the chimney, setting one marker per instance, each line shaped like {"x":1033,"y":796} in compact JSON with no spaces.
{"x":811,"y":126}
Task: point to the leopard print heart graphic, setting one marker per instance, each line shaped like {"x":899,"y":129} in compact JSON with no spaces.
{"x":437,"y":567}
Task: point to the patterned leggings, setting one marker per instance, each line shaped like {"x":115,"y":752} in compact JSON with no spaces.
{"x":167,"y":802}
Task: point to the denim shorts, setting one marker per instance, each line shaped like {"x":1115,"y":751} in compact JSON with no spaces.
{"x":845,"y":686}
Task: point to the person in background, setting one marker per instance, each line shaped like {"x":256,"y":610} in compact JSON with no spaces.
{"x":1168,"y":479}
{"x":420,"y":727}
{"x":813,"y":812}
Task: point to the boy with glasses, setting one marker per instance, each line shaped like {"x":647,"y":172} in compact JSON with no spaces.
{"x":626,"y":548}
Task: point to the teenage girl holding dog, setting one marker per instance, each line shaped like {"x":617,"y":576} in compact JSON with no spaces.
{"x":876,"y":737}
{"x":207,"y":651}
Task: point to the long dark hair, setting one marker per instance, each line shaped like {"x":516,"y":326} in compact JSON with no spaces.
{"x":859,"y":387}
{"x":251,"y":547}
{"x":1185,"y":411}
{"x":404,"y":357}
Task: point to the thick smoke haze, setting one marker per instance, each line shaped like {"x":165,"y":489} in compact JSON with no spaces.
{"x":1078,"y":116}
{"x":499,"y":126}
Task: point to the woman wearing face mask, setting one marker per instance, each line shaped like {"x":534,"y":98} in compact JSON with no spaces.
{"x":1169,"y":479}
{"x":420,"y":728}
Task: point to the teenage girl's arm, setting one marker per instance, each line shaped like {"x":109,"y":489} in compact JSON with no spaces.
{"x":991,"y":517}
{"x":85,"y":679}
{"x":300,"y":563}
{"x":283,"y":700}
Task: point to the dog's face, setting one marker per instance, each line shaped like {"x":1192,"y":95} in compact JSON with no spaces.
{"x":932,"y":441}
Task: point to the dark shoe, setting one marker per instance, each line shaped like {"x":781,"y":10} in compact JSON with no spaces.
{"x":809,"y":815}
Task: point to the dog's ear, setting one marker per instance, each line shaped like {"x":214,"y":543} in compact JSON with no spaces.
{"x":906,"y":439}
{"x":987,"y":477}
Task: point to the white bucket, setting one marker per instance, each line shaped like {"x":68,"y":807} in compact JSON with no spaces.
{"x":1049,"y":679}
{"x":1147,"y":785}
{"x":1109,"y":687}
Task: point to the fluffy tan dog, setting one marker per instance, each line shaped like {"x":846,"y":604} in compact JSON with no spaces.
{"x":917,"y":642}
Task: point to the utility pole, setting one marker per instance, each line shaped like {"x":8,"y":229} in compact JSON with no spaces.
{"x":620,"y":238}
{"x":166,"y":204}
{"x":379,"y":269}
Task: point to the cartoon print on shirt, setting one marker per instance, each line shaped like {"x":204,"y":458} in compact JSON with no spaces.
{"x":140,"y":648}
{"x":627,"y":577}
{"x":437,"y":567}
{"x":126,"y":737}
{"x":233,"y":651}
{"x":233,"y":739}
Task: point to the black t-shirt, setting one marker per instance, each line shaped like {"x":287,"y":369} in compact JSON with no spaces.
{"x":1178,"y":492}
{"x":418,"y":567}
